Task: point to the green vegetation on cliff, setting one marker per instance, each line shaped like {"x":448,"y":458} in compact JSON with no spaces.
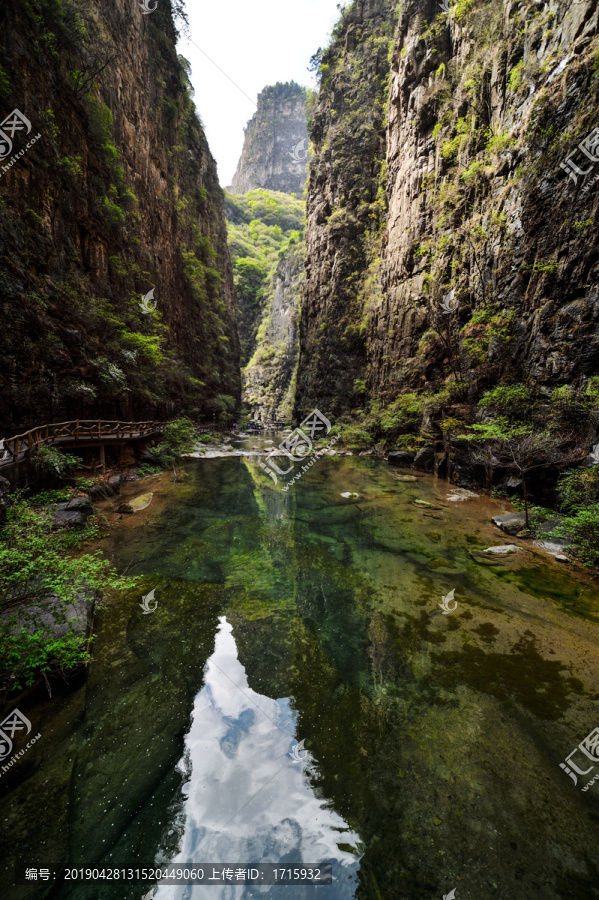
{"x":101,"y":212}
{"x":451,"y":268}
{"x":262,"y":225}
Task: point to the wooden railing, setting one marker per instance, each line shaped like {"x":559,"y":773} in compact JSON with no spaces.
{"x":84,"y":430}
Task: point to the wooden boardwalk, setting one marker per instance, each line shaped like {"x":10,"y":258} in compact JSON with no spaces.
{"x":82,"y":432}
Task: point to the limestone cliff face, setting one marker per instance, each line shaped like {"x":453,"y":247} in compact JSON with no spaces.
{"x":482,"y":207}
{"x":473,"y":210}
{"x":345,"y":206}
{"x":275,"y":150}
{"x":269,"y":378}
{"x":118,"y":196}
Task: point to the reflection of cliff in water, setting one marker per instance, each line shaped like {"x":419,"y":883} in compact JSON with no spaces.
{"x":246,"y":799}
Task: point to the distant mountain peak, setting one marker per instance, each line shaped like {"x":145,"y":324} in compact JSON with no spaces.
{"x":275,"y":150}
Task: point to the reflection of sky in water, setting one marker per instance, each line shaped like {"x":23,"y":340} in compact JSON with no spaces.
{"x":246,"y":799}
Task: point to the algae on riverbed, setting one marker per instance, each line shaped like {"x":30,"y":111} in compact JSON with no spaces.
{"x":435,"y":738}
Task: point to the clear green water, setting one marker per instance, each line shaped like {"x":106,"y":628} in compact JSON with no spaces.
{"x":433,"y":741}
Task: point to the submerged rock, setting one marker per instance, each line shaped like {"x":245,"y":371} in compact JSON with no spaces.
{"x":457,"y":495}
{"x":503,"y":549}
{"x":136,"y":504}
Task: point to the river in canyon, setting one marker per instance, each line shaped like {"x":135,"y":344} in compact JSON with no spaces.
{"x":299,"y":696}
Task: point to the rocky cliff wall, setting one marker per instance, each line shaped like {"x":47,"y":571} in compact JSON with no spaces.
{"x":476,"y":263}
{"x":345,"y":207}
{"x":484,"y":106}
{"x":275,"y":149}
{"x":269,"y":377}
{"x":261,"y":225}
{"x":118,"y":196}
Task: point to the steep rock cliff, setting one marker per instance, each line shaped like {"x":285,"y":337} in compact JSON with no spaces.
{"x":118,"y":196}
{"x":477,"y":264}
{"x":345,"y":206}
{"x":269,"y":377}
{"x":275,"y":149}
{"x":484,"y":106}
{"x":261,"y":226}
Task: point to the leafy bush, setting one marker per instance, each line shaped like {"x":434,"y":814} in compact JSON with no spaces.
{"x":404,"y":414}
{"x":484,"y":329}
{"x":148,"y":469}
{"x":52,"y":461}
{"x":515,"y":79}
{"x":355,"y":437}
{"x":179,"y":438}
{"x":497,"y":143}
{"x":581,"y":530}
{"x":512,"y":400}
{"x":578,"y":488}
{"x":58,"y":495}
{"x":34,"y":568}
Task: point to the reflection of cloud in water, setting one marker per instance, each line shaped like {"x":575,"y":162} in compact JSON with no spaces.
{"x":246,"y":800}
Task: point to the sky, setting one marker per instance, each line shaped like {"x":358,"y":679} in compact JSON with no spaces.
{"x":256,"y":43}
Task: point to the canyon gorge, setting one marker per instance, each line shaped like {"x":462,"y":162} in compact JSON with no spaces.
{"x":351,"y":668}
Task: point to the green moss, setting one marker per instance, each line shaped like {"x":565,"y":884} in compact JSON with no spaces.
{"x":462,"y":8}
{"x":515,"y":77}
{"x":451,"y":148}
{"x":114,"y":214}
{"x":497,"y":143}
